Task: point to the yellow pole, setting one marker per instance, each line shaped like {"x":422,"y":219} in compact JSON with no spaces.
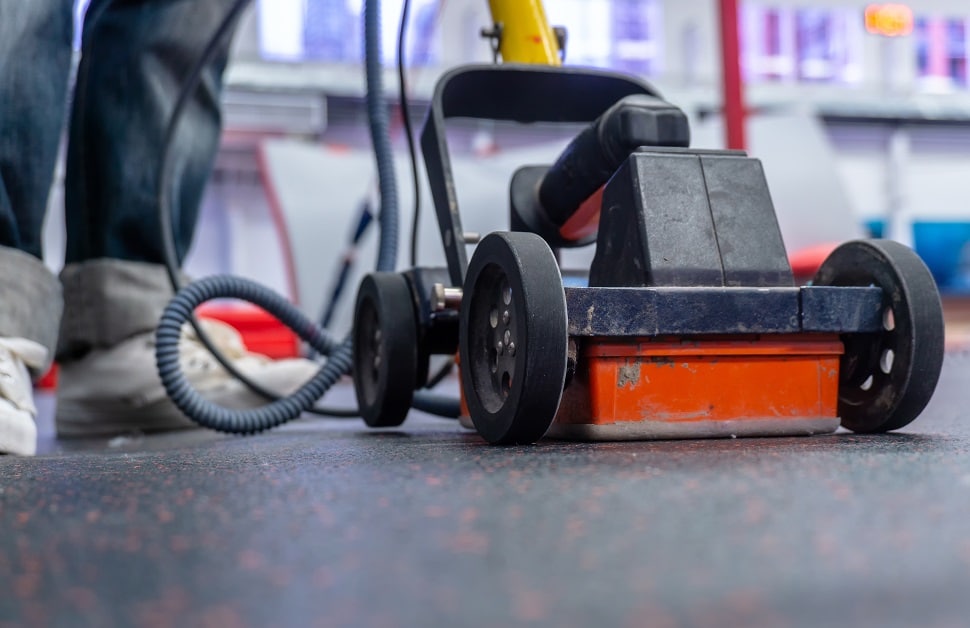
{"x":526,"y":36}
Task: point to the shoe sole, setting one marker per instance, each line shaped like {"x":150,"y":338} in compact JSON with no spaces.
{"x":80,"y":420}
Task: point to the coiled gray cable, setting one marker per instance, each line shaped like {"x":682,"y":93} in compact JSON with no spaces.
{"x":180,"y":310}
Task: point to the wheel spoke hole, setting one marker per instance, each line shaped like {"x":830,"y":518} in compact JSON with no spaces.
{"x":506,"y":292}
{"x":493,"y":318}
{"x":886,"y":361}
{"x":506,"y":384}
{"x":867,"y":385}
{"x":888,"y":319}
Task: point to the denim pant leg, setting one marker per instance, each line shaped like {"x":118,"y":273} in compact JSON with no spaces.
{"x":35,"y":60}
{"x":135,"y":56}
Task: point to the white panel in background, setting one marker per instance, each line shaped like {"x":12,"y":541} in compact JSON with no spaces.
{"x":861,"y":156}
{"x":936,"y":176}
{"x":318,"y":191}
{"x":236,"y":234}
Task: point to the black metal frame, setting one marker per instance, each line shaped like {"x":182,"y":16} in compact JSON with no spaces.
{"x":645,"y":312}
{"x":542,"y":94}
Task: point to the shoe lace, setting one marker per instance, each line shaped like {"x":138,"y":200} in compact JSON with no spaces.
{"x":225,"y":338}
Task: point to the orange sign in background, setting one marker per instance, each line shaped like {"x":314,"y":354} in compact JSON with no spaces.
{"x":889,"y":20}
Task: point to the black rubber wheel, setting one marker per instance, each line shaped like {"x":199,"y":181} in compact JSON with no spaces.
{"x":887,"y":378}
{"x":385,"y":349}
{"x":513,"y":338}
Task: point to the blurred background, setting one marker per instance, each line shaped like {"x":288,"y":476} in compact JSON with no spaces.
{"x":860,"y":113}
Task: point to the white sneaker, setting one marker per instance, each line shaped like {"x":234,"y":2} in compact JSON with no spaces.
{"x":18,"y":431}
{"x":117,"y":390}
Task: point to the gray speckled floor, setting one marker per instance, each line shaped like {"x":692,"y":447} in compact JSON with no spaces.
{"x":325,"y":523}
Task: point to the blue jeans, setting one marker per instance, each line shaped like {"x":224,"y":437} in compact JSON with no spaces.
{"x":134,"y":57}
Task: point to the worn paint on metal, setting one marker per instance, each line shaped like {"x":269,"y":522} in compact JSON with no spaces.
{"x":628,"y":374}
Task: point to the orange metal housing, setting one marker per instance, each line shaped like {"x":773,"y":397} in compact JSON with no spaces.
{"x":702,"y":388}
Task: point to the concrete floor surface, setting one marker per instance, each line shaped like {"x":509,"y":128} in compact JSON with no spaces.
{"x":324,"y":523}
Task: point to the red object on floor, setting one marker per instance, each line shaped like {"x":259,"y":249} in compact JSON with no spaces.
{"x":49,"y":380}
{"x":261,"y":332}
{"x":805,"y":262}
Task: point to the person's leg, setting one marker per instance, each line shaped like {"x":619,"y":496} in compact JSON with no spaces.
{"x":135,"y":56}
{"x":35,"y":60}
